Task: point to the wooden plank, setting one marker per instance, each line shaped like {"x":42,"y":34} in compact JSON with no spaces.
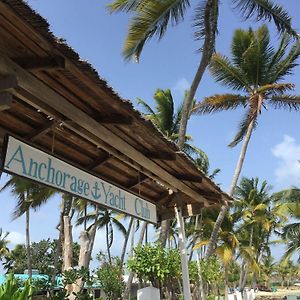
{"x":49,"y":97}
{"x":6,"y":100}
{"x":115,"y":119}
{"x":99,"y":162}
{"x":34,"y":63}
{"x":188,"y":177}
{"x":8,"y":83}
{"x":161,"y":155}
{"x":142,"y":178}
{"x":40,"y":131}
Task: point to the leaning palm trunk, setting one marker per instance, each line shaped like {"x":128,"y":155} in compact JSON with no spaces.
{"x":131,"y":274}
{"x":211,"y":18}
{"x":164,"y":232}
{"x":246,"y":270}
{"x":224,"y":209}
{"x":126,"y":242}
{"x":29,"y":266}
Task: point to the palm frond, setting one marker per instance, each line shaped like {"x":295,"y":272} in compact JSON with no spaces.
{"x":227,"y":74}
{"x":152,"y":19}
{"x":205,"y":21}
{"x":126,"y":5}
{"x":275,"y":88}
{"x":267,"y":11}
{"x":218,"y":103}
{"x":289,"y":102}
{"x":286,"y":65}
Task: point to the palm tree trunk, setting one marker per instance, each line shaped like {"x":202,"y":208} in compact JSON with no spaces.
{"x":164,"y":232}
{"x":208,"y":48}
{"x":131,"y":274}
{"x":226,"y":283}
{"x":224,"y":209}
{"x":28,"y":250}
{"x":244,"y":278}
{"x":107,"y":244}
{"x":126,"y":241}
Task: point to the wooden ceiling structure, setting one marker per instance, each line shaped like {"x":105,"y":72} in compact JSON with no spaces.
{"x":58,"y":102}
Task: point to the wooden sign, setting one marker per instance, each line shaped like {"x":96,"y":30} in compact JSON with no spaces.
{"x":27,"y":161}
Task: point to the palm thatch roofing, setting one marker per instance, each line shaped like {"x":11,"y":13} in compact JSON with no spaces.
{"x":48,"y":92}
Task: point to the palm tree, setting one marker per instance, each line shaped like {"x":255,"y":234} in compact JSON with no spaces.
{"x":104,"y":218}
{"x":3,"y":244}
{"x":29,"y":195}
{"x":290,"y":233}
{"x":152,"y":18}
{"x":167,"y":119}
{"x":256,"y":70}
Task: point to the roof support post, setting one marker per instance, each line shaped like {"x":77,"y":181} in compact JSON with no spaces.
{"x":183,"y":254}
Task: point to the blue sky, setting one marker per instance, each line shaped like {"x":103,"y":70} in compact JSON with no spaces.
{"x":98,"y":37}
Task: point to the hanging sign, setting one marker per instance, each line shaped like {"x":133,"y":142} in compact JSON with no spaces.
{"x":37,"y":165}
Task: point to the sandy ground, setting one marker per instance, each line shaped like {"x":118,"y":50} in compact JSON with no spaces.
{"x":279,"y":293}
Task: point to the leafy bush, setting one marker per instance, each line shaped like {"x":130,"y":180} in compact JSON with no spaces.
{"x":11,"y":290}
{"x":110,"y":278}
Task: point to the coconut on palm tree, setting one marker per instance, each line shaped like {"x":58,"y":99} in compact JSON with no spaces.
{"x":29,"y":195}
{"x":151,"y":18}
{"x":256,"y":70}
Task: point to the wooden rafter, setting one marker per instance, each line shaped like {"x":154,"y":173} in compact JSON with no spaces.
{"x":40,"y":131}
{"x":33,"y":63}
{"x":116,"y":119}
{"x":99,"y":162}
{"x":50,"y":98}
{"x":6,"y":100}
{"x":8,"y":83}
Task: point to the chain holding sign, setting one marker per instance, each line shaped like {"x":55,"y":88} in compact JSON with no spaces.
{"x":27,"y":161}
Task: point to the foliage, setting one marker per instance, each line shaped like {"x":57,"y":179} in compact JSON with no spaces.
{"x":156,"y":264}
{"x":42,"y":253}
{"x":109,"y":277}
{"x":3,"y":244}
{"x":211,"y":270}
{"x":11,"y":290}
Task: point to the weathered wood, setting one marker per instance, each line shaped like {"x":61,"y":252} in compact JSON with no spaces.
{"x":117,"y":119}
{"x":161,"y":155}
{"x":99,"y":162}
{"x":40,"y":131}
{"x":34,"y":63}
{"x":188,"y":210}
{"x":8,"y":83}
{"x":142,"y":178}
{"x":49,"y":97}
{"x":188,"y":177}
{"x":6,"y":100}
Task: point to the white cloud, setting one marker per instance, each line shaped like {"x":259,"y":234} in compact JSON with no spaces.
{"x":16,"y":238}
{"x":181,"y":86}
{"x":288,"y":154}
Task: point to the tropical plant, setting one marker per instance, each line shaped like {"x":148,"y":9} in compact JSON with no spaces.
{"x":152,"y":17}
{"x":109,"y":276}
{"x":10,"y":290}
{"x":256,"y":70}
{"x":104,"y":218}
{"x":3,"y":244}
{"x":29,"y":195}
{"x":160,"y":266}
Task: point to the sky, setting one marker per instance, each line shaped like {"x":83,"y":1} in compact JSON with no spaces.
{"x":98,"y":37}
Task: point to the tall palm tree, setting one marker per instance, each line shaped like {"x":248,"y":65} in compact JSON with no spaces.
{"x":152,"y":17}
{"x":3,"y":244}
{"x":256,"y":70}
{"x":29,"y":195}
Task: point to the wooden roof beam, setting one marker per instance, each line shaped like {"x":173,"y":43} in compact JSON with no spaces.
{"x":99,"y":162}
{"x":142,"y":178}
{"x":188,"y":177}
{"x":40,"y":131}
{"x":50,"y":98}
{"x":169,"y":156}
{"x":6,"y":100}
{"x":115,"y":119}
{"x":34,"y":63}
{"x":8,"y":83}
